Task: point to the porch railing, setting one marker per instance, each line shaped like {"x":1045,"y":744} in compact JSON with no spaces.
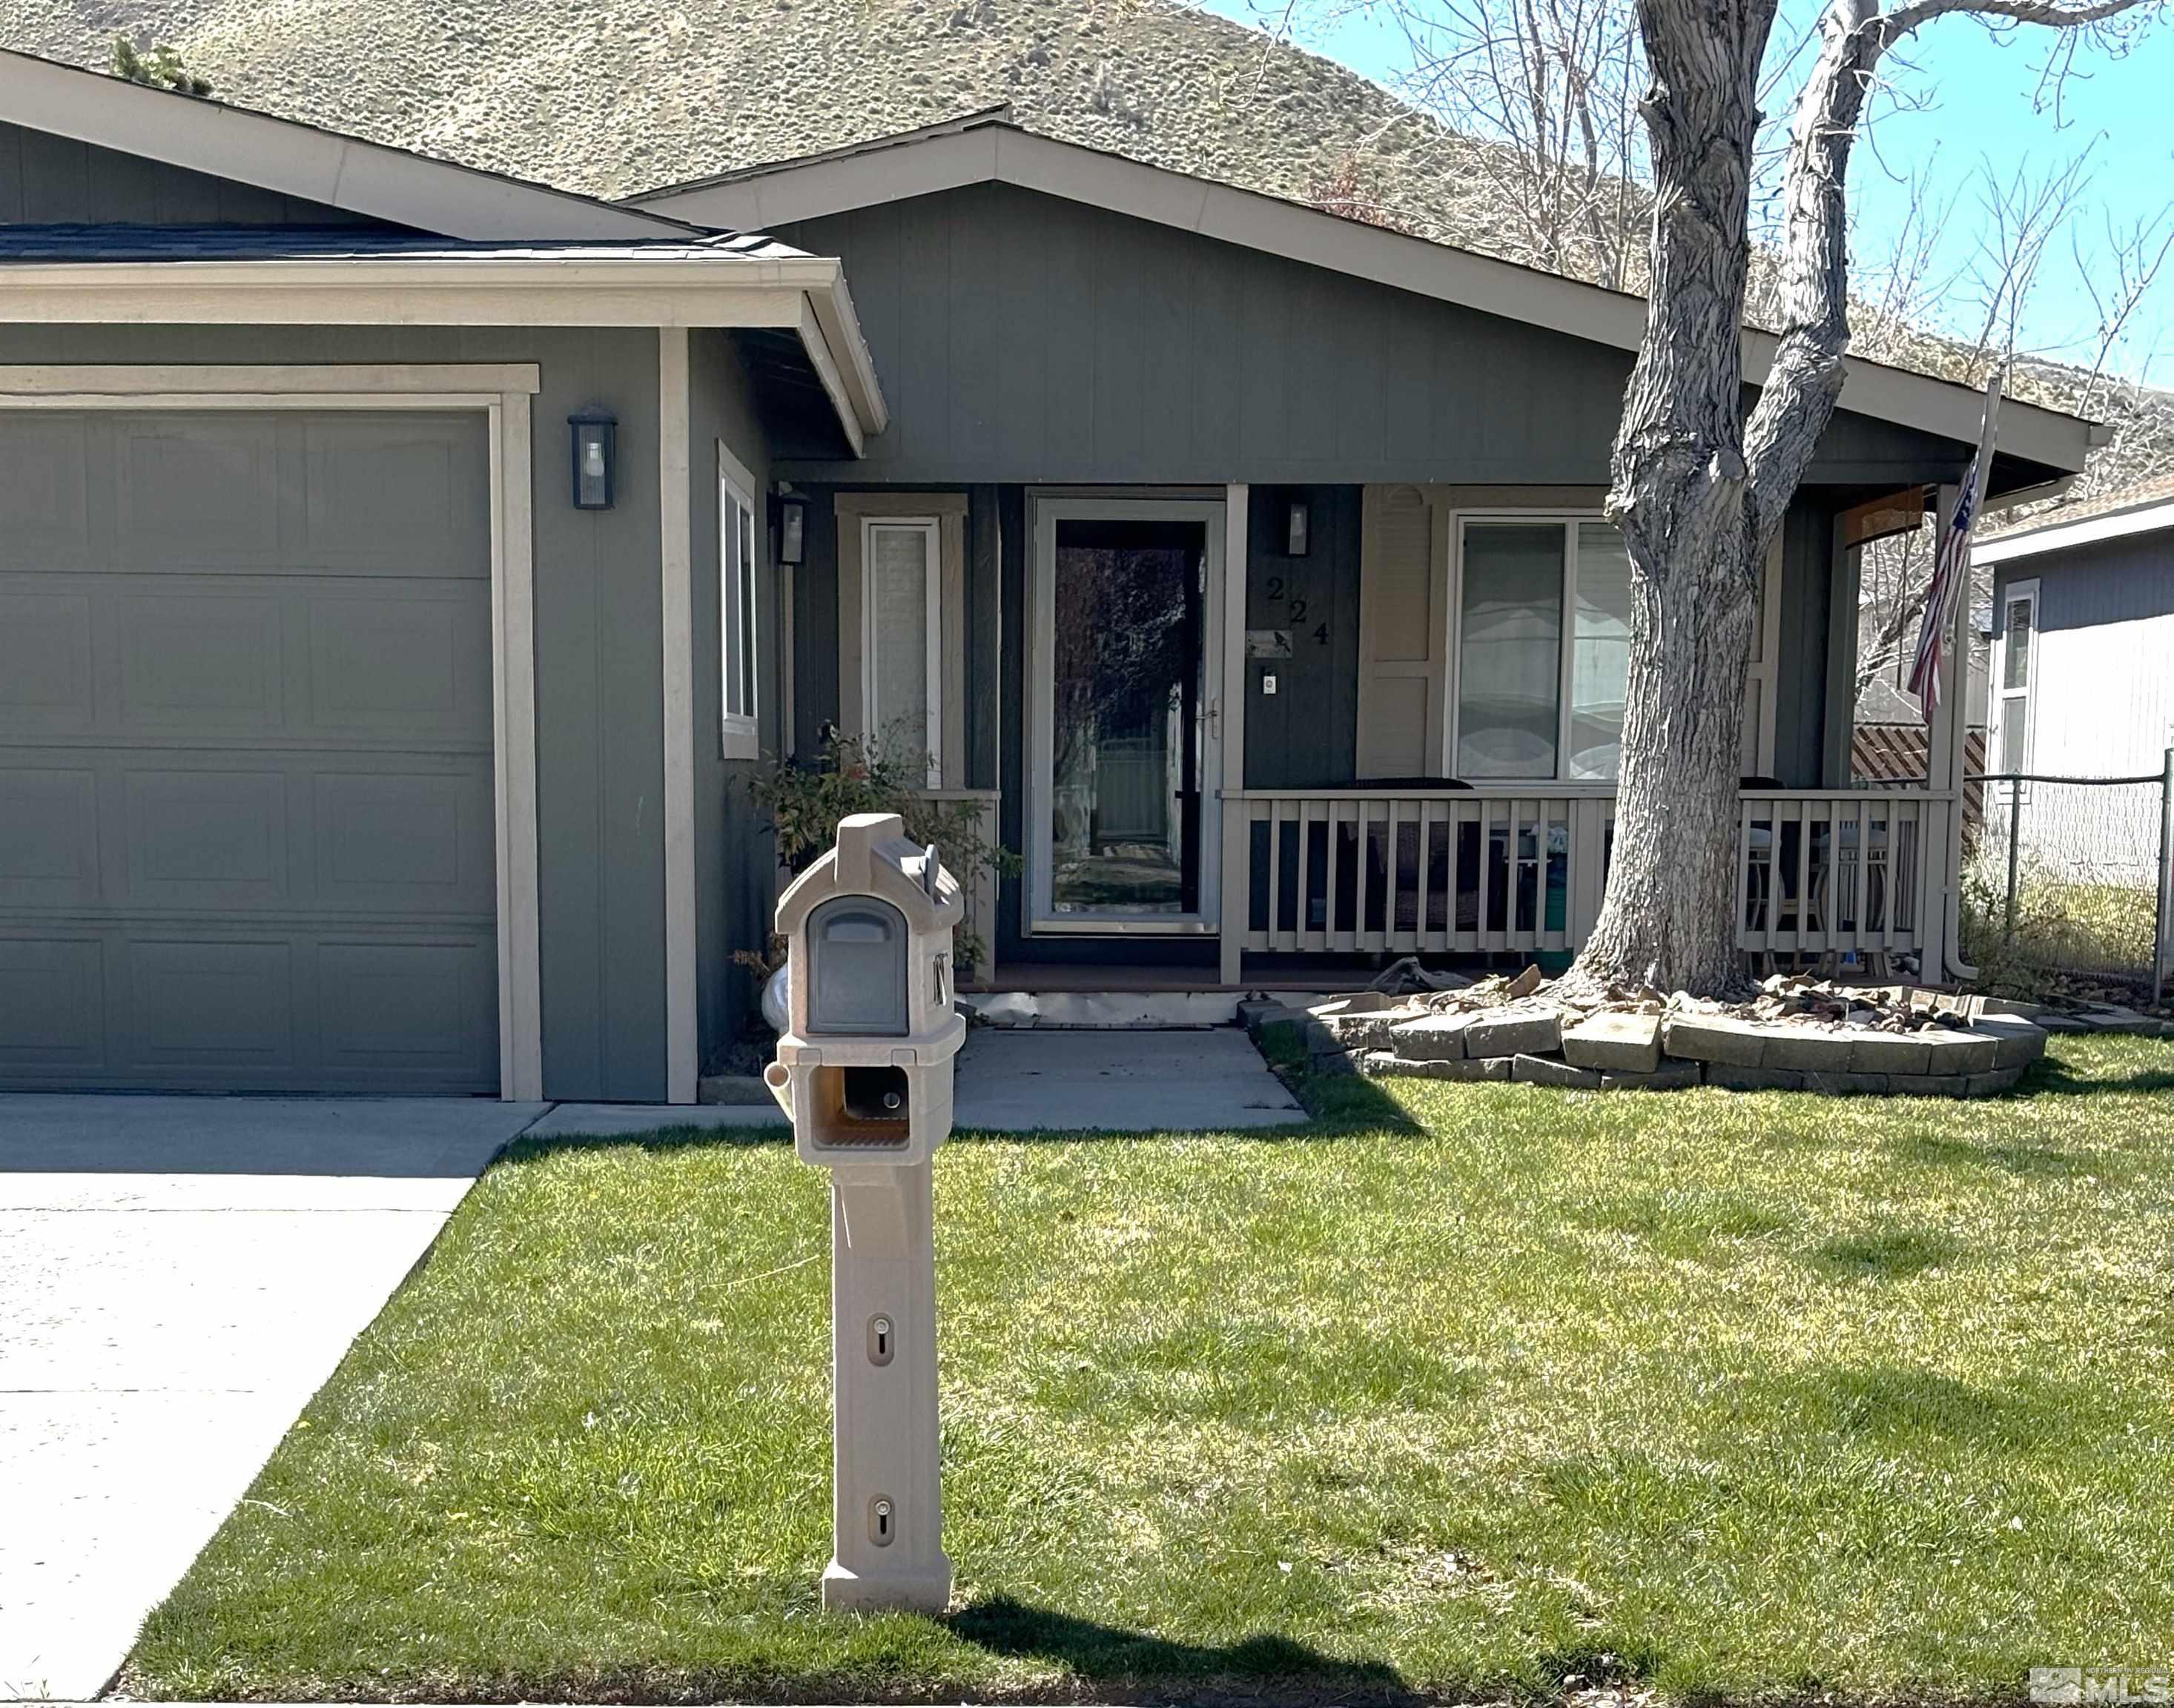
{"x":1480,"y":871}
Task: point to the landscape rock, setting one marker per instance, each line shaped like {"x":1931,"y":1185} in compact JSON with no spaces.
{"x":2017,"y":1042}
{"x":1432,"y":1038}
{"x":1847,"y":1084}
{"x":1809,"y":1049}
{"x":1960,"y":1053}
{"x":1381,"y":1064}
{"x":1615,"y":1043}
{"x":1993,"y":1083}
{"x":1713,"y":1038}
{"x":1669,"y":1076}
{"x":1732,"y":1078}
{"x":1524,"y":984}
{"x":1518,"y":1032}
{"x":1549,"y":1070}
{"x":1889,"y":1052}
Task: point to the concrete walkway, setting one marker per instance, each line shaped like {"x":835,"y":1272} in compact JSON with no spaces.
{"x":1118,"y":1081}
{"x":178,"y":1276}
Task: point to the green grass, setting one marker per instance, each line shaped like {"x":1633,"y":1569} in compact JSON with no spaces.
{"x":1746,"y":1396}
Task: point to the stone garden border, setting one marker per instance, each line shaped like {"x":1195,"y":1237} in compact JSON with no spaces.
{"x":1979,"y":1052}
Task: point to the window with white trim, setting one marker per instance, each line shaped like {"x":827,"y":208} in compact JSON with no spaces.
{"x":738,"y":558}
{"x":2013,"y":670}
{"x":1543,"y":648}
{"x":902,"y":637}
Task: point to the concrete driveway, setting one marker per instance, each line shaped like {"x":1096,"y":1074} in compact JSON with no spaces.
{"x":178,"y":1277}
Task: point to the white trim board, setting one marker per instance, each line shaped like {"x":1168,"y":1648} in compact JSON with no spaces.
{"x":991,"y":151}
{"x":675,"y":501}
{"x":503,"y":393}
{"x":805,"y":296}
{"x":302,"y":160}
{"x":2055,"y":535}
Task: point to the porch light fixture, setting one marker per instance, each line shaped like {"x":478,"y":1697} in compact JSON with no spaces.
{"x":792,"y":531}
{"x":1300,"y":528}
{"x":596,"y":457}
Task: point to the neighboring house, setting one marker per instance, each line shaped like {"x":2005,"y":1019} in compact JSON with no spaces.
{"x":1244,"y":562}
{"x":2082,"y":676}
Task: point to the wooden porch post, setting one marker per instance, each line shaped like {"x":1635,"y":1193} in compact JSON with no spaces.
{"x":1237,"y":852}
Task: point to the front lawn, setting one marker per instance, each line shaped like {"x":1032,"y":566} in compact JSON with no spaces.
{"x":1746,"y":1395}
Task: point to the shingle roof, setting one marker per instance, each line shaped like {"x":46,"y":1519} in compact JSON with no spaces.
{"x":2142,"y":494}
{"x":177,"y":243}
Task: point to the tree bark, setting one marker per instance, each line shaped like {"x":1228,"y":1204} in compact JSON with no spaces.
{"x":1699,"y":492}
{"x":1680,"y":496}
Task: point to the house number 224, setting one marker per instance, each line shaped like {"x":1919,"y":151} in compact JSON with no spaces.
{"x":1291,"y":596}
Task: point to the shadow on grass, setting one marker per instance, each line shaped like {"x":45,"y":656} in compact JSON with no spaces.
{"x":1889,"y":1254}
{"x":2050,"y":1076}
{"x":1893,"y":1404}
{"x":2029,"y":1161}
{"x":1263,"y":1667}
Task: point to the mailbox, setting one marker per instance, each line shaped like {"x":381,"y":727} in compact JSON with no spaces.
{"x":863,"y":1069}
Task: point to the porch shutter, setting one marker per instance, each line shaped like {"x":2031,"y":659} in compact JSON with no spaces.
{"x":1403,"y":633}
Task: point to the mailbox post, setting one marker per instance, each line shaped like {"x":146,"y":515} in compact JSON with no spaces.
{"x":864,"y":1071}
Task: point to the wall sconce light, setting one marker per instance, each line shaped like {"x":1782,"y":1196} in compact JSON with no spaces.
{"x":792,"y":531}
{"x":1296,"y":540}
{"x":596,"y":457}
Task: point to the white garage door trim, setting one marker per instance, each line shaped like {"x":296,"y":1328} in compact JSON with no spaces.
{"x":502,"y":392}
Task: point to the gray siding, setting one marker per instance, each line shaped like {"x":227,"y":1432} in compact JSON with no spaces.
{"x":1800,"y":692}
{"x":1306,"y":734}
{"x":2102,"y":688}
{"x":733,"y":852}
{"x":598,"y":658}
{"x":1023,"y":338}
{"x":46,"y":180}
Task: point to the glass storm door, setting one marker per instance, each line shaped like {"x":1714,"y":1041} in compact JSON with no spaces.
{"x":1123,"y":826}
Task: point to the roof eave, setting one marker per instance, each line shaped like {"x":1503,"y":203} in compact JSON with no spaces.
{"x":805,"y":296}
{"x":303,"y":160}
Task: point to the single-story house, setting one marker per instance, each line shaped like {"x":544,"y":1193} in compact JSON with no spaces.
{"x":402,"y":565}
{"x":2082,"y":677}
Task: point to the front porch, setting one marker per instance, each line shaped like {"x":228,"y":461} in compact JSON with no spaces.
{"x":1281,"y":812}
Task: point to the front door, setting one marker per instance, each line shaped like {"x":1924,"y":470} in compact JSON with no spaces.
{"x":1125,"y":713}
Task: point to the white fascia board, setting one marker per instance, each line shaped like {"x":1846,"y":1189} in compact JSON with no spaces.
{"x":2057,"y":535}
{"x":801,"y":295}
{"x":303,"y":160}
{"x":1002,"y":153}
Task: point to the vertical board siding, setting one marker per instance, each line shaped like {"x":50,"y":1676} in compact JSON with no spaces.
{"x":1023,"y":338}
{"x":2102,"y":703}
{"x":46,"y":180}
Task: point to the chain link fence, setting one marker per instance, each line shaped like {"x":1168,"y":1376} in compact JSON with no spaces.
{"x":2068,"y":877}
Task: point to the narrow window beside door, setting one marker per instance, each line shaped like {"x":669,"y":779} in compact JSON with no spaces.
{"x":902,"y":647}
{"x":738,"y":606}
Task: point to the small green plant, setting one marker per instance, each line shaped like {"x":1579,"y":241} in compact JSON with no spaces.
{"x":804,"y":801}
{"x":156,"y":67}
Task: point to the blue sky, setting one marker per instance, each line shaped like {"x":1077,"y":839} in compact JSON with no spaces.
{"x":1977,"y":105}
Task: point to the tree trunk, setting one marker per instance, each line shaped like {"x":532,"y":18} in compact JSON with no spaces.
{"x":1681,"y":497}
{"x":1698,"y":491}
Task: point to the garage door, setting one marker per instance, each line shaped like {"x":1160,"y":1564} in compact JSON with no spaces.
{"x":245,"y":790}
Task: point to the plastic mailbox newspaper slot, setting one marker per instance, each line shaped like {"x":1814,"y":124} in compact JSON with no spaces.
{"x":864,"y":1071}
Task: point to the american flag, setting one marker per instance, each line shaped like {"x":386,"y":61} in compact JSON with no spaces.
{"x":1951,"y":564}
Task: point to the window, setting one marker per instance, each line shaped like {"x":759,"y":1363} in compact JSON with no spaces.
{"x":738,"y":607}
{"x":1516,"y":651}
{"x":2018,"y":628}
{"x":902,"y":645}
